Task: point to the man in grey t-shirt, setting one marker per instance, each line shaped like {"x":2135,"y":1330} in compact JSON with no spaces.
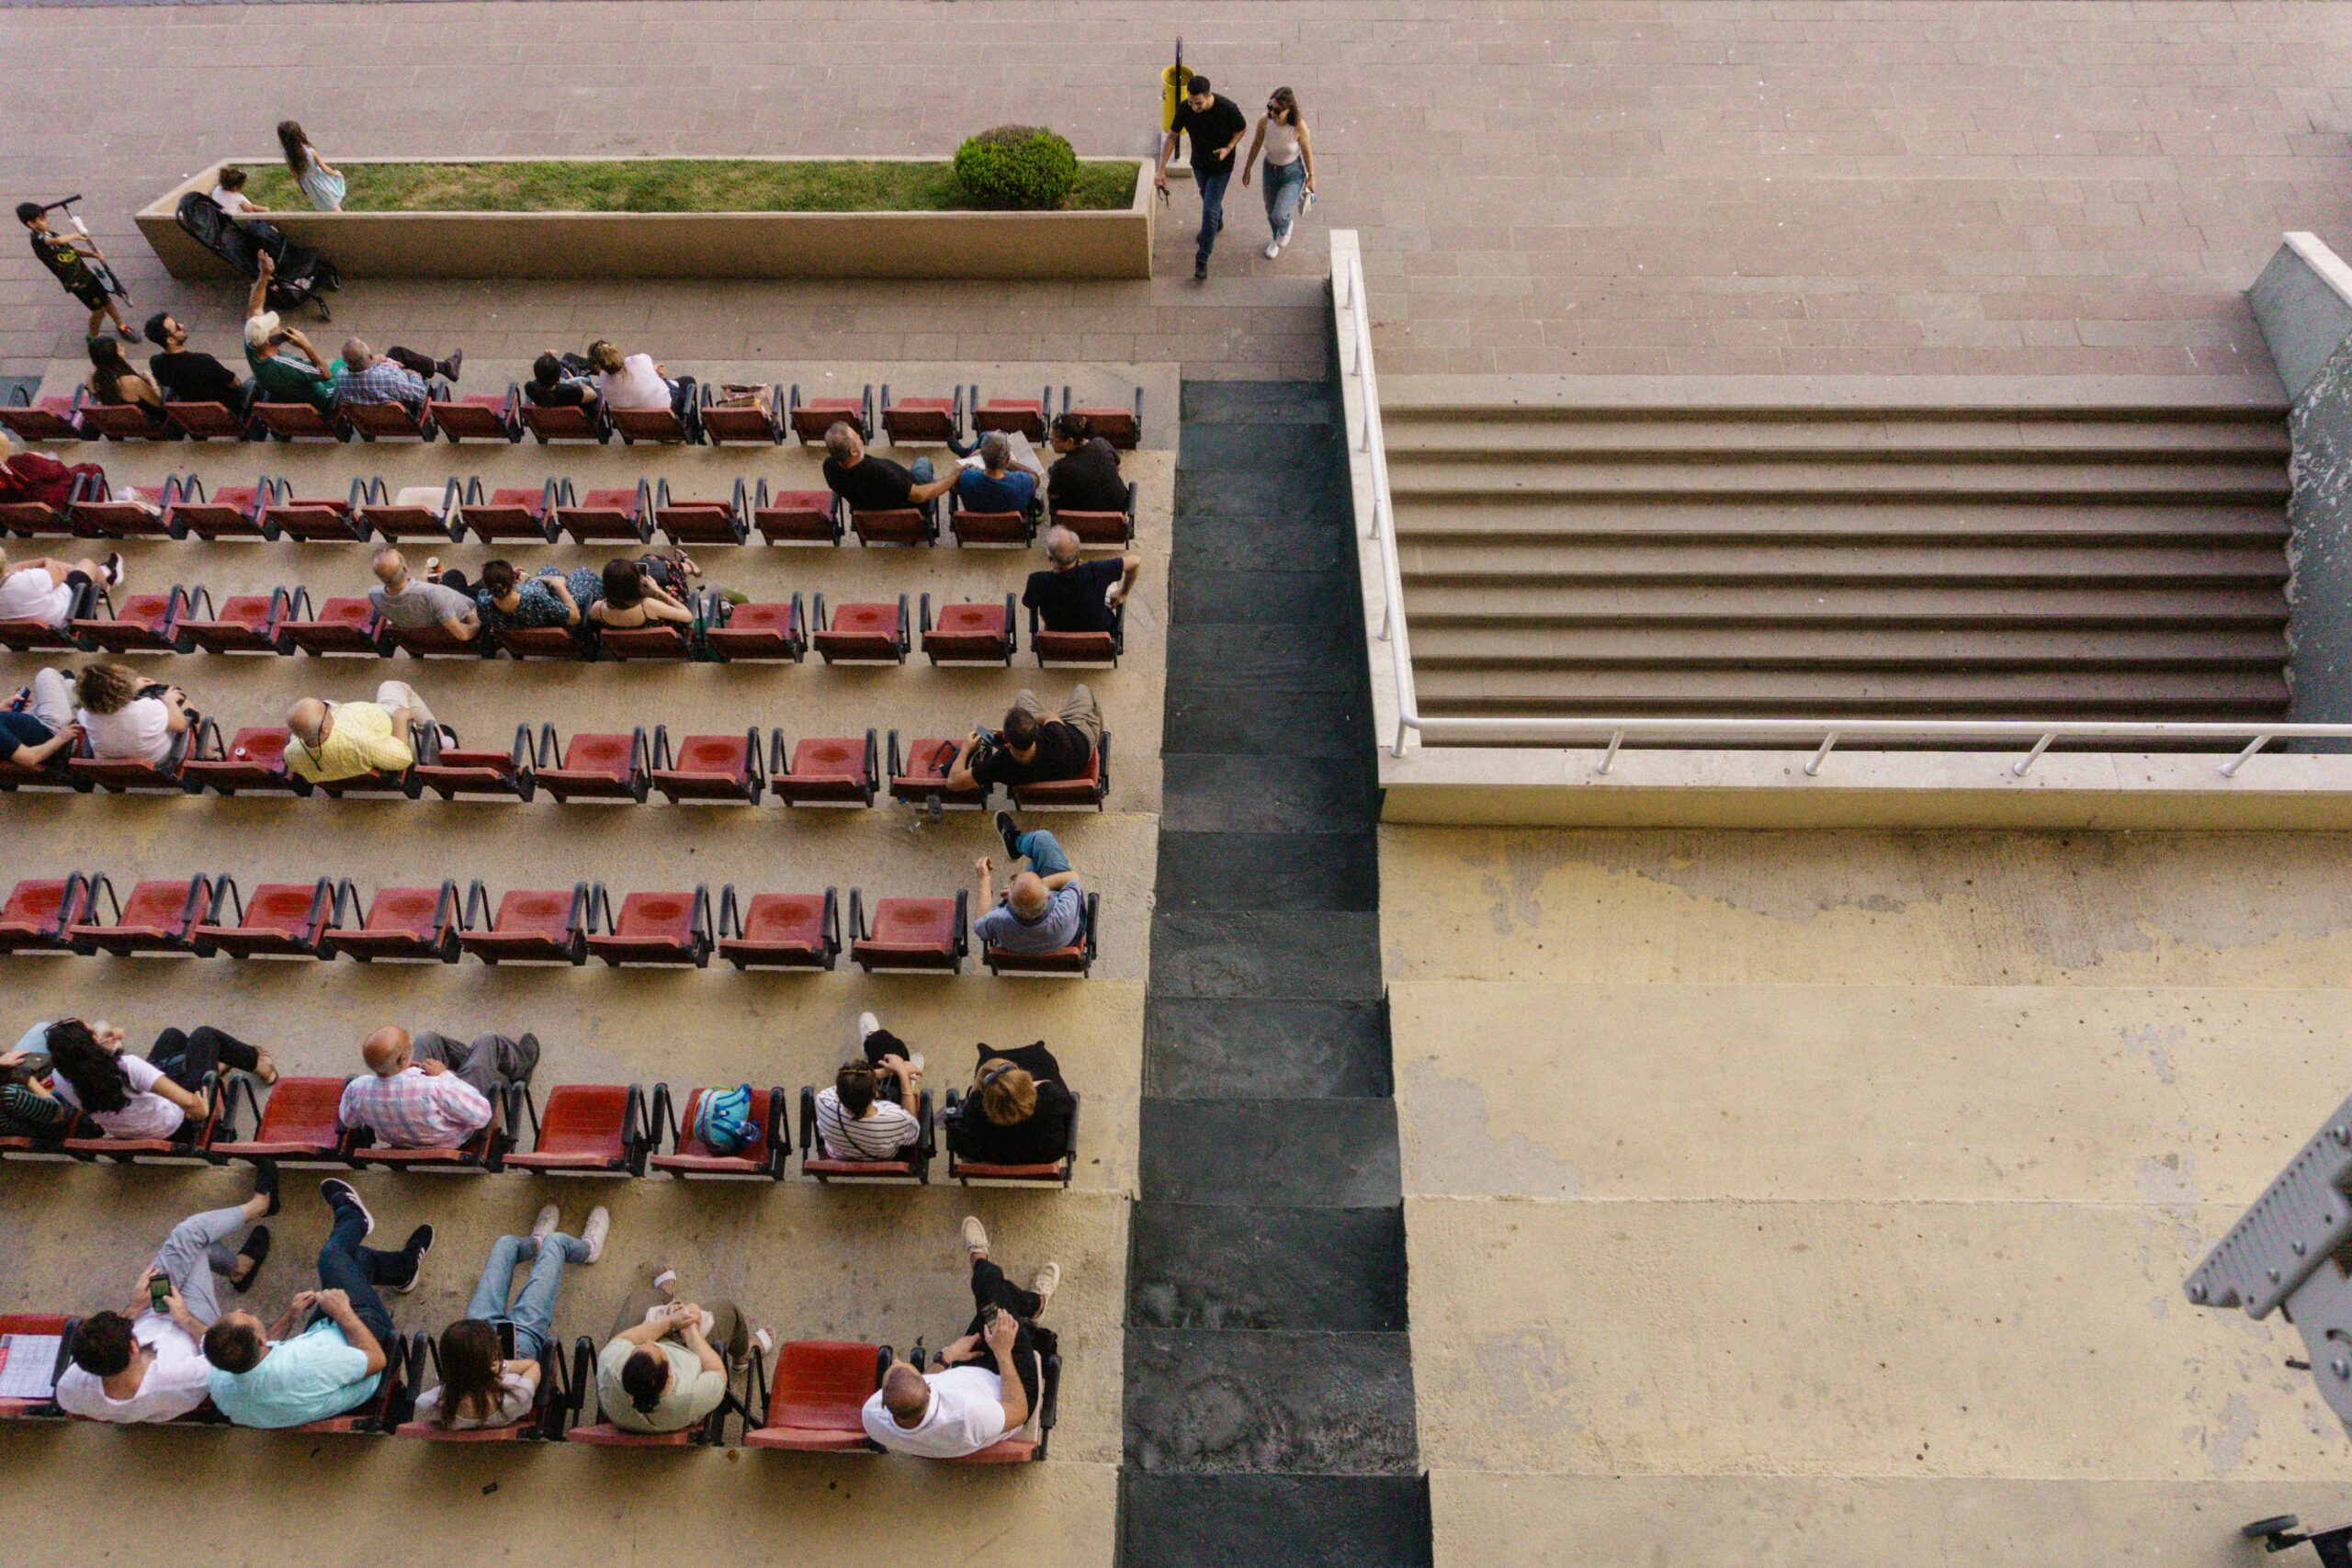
{"x":413,"y":603}
{"x":1044,"y":908}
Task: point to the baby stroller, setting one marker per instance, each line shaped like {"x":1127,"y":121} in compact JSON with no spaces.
{"x":302,"y":275}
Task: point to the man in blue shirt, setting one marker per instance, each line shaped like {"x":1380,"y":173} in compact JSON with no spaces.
{"x":337,"y":1361}
{"x":995,"y":485}
{"x":1044,"y":909}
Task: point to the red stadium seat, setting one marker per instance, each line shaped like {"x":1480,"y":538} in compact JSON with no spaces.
{"x":126,"y":775}
{"x":134,"y":512}
{"x":299,"y":422}
{"x":810,"y":418}
{"x":969,"y":634}
{"x":451,"y":771}
{"x":828,"y":770}
{"x":906,"y":526}
{"x":798,"y":516}
{"x":245,"y":623}
{"x":388,"y":422}
{"x":209,"y":421}
{"x":1056,"y":1172}
{"x":608,"y":516}
{"x":379,"y":1413}
{"x":757,"y":631}
{"x":526,"y":515}
{"x":747,"y":424}
{"x":50,"y":418}
{"x":916,"y":935}
{"x":1028,"y":1445}
{"x":1075,"y":962}
{"x":912,"y":1163}
{"x":431,"y":512}
{"x":721,"y":770}
{"x":485,"y":1151}
{"x":862,"y":634}
{"x":323,"y":521}
{"x":533,"y":925}
{"x":1091,"y":788}
{"x":40,"y":913}
{"x":1092,"y":648}
{"x":705,"y":521}
{"x":126,"y":422}
{"x":918,"y":776}
{"x":189,"y":1143}
{"x":587,"y":1130}
{"x":762,"y":1159}
{"x":1121,"y":427}
{"x":780,"y":931}
{"x":297,"y":1125}
{"x":597,"y":766}
{"x":659,"y":427}
{"x":282,"y":919}
{"x":42,"y":519}
{"x":251,"y":762}
{"x":233,"y":512}
{"x":340,"y":626}
{"x":667,"y":929}
{"x":990,"y":530}
{"x":160,"y":917}
{"x":540,"y":1425}
{"x":409,"y":924}
{"x":565,"y":424}
{"x":1010,"y":414}
{"x":142,"y":623}
{"x":1100,"y":530}
{"x":480,"y":416}
{"x":818,"y":1403}
{"x":654,"y":640}
{"x":933,"y":420}
{"x":31,"y":635}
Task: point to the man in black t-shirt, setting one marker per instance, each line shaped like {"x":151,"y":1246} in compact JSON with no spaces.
{"x":1037,"y":745}
{"x":68,"y":258}
{"x":1085,"y":476}
{"x":1216,"y":126}
{"x":189,"y":376}
{"x":876,"y":484}
{"x":560,"y":381}
{"x":1075,"y":598}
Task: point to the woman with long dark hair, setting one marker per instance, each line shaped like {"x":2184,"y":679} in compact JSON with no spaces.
{"x":480,"y":1384}
{"x":1290,"y":164}
{"x":135,"y":1098}
{"x":320,"y":180}
{"x":631,"y":599}
{"x":115,"y":381}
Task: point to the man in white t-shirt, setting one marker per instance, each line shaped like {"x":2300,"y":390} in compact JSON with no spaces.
{"x":43,"y":590}
{"x":979,"y":1388}
{"x":147,"y":1364}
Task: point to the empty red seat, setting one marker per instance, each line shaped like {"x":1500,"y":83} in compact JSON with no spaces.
{"x":608,"y":516}
{"x":922,"y":419}
{"x":282,"y":919}
{"x":160,"y":916}
{"x":862,"y":634}
{"x":969,"y":634}
{"x":651,"y":928}
{"x":1121,"y":427}
{"x":533,"y":925}
{"x":40,"y":913}
{"x":245,"y":623}
{"x":990,"y":530}
{"x":1075,"y":962}
{"x":761,"y":1160}
{"x":824,"y":770}
{"x":818,"y":1402}
{"x":388,"y":422}
{"x":52,"y":419}
{"x":339,"y":626}
{"x":812,"y":417}
{"x":912,"y":1162}
{"x":587,"y":1130}
{"x":918,"y":774}
{"x":780,"y":931}
{"x":597,"y":766}
{"x":1057,"y":1172}
{"x":416,"y":924}
{"x":452,"y":771}
{"x":251,"y":762}
{"x":233,"y":512}
{"x":431,"y":512}
{"x":716,"y":768}
{"x":142,"y":623}
{"x":297,"y":1125}
{"x":660,"y":427}
{"x":326,"y":520}
{"x":38,"y":1333}
{"x":134,"y":512}
{"x":299,"y":422}
{"x":757,"y":631}
{"x":126,"y":422}
{"x":1100,"y":530}
{"x":1028,"y":416}
{"x":920,"y":934}
{"x":207,"y":422}
{"x":480,"y":416}
{"x":706,"y":521}
{"x":517,"y":514}
{"x":565,"y":424}
{"x":798,"y":516}
{"x":896,"y":525}
{"x":745,"y":422}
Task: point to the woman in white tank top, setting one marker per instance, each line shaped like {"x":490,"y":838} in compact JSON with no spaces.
{"x":1290,"y":164}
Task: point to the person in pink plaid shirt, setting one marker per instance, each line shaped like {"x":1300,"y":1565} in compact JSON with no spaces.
{"x":431,"y":1092}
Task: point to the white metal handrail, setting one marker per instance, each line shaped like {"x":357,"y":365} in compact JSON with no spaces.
{"x":1352,"y":312}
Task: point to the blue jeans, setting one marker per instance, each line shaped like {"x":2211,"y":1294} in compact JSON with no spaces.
{"x":357,"y":1270}
{"x":1212,"y":210}
{"x":1045,"y":852}
{"x":533,"y":1314}
{"x":920,"y":468}
{"x":1285,"y":184}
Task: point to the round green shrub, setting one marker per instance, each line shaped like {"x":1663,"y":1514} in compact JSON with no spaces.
{"x":1022,"y":167}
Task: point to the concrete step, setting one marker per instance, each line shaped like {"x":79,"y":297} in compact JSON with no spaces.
{"x":1709,"y":437}
{"x":1269,"y":723}
{"x":1208,"y":1048}
{"x":1271,"y":596}
{"x":1199,"y":1400}
{"x":1261,"y":1520}
{"x":2037,"y":694}
{"x":1328,"y":955}
{"x":1266,"y":793}
{"x":1325,"y":658}
{"x":2150,"y":646}
{"x":1256,"y":403}
{"x":2021,"y":519}
{"x":1320,"y":1153}
{"x":1807,"y":475}
{"x":1257,"y":872}
{"x":1431,"y":606}
{"x":2019,"y":566}
{"x":1268,"y":1268}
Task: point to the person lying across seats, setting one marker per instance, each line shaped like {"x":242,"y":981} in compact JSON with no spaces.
{"x":439,"y":598}
{"x":1085,"y":475}
{"x":145,"y":1363}
{"x":326,"y":741}
{"x":549,"y":597}
{"x":130,"y":1097}
{"x":29,"y":1104}
{"x":264,"y":1378}
{"x":979,"y":1387}
{"x":660,"y":1372}
{"x":876,"y":484}
{"x":429,"y":1092}
{"x":1069,"y":596}
{"x":561,"y":381}
{"x":128,"y":717}
{"x":993,"y":480}
{"x":1017,"y":1110}
{"x":1037,"y":745}
{"x":38,"y":725}
{"x":869,"y":1112}
{"x":482,"y":1385}
{"x":39,"y":588}
{"x":1043,"y":908}
{"x":396,"y":376}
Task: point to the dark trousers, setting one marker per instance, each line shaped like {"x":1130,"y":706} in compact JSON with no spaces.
{"x":357,"y":1270}
{"x":453,"y":580}
{"x":424,"y":364}
{"x":682,"y":395}
{"x":186,"y":1058}
{"x":991,"y":1289}
{"x":1212,"y":210}
{"x":881,"y":1043}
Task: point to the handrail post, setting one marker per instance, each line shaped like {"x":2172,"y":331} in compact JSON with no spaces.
{"x":2230,"y":769}
{"x":2028,"y":760}
{"x":1609,"y":758}
{"x":1813,"y":769}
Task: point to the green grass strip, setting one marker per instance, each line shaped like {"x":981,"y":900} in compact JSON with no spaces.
{"x":670,"y":185}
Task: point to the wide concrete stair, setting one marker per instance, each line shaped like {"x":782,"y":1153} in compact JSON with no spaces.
{"x":1823,"y":549}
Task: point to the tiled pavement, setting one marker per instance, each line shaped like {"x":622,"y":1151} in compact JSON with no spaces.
{"x":1592,"y":188}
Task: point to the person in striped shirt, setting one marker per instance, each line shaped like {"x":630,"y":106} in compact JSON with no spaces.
{"x":431,"y":1092}
{"x":854,"y":1117}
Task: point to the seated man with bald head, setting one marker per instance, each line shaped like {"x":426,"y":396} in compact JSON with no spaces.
{"x":430,"y":1092}
{"x":326,"y":741}
{"x":437,"y":599}
{"x":979,"y":1388}
{"x":396,"y":376}
{"x":1044,"y":908}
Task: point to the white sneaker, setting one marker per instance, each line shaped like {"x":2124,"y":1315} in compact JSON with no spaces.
{"x":1048,"y":1280}
{"x":666,"y":1281}
{"x":866,"y":1025}
{"x":976,"y":1234}
{"x":765,"y":1341}
{"x":1274,"y":249}
{"x":544,"y":1226}
{"x":593,"y":1234}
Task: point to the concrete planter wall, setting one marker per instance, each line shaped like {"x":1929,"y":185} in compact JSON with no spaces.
{"x":1115,"y":243}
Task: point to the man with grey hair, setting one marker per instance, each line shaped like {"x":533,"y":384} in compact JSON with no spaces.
{"x":395,"y":376}
{"x":439,"y":599}
{"x":876,"y":484}
{"x":429,"y":1092}
{"x":1069,"y":597}
{"x":329,"y":741}
{"x":994,"y":482}
{"x":1044,"y":909}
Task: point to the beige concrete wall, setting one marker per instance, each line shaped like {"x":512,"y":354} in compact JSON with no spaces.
{"x":690,"y":244}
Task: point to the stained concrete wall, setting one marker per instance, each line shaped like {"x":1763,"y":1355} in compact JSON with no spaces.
{"x":2303,"y":300}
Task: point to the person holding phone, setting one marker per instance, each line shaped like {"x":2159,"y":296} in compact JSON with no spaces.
{"x":981,"y":1387}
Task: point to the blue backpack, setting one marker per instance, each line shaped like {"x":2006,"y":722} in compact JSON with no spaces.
{"x":723,"y":1122}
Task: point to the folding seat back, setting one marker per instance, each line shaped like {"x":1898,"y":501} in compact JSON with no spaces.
{"x":911,"y":1162}
{"x":651,"y":928}
{"x":253,"y":761}
{"x":189,"y":1143}
{"x":481,"y":416}
{"x":382,"y":783}
{"x":658,"y":427}
{"x":207,"y":422}
{"x":1121,"y":427}
{"x":745,"y":423}
{"x":328,"y":520}
{"x":1100,"y":530}
{"x":969,"y":634}
{"x":564,"y":424}
{"x":33,"y":519}
{"x":48,"y":419}
{"x":160,"y":916}
{"x":41,"y":912}
{"x":425,"y":1366}
{"x":580,"y":1401}
{"x":654,"y":640}
{"x":245,"y":623}
{"x":414,"y":924}
{"x":760,"y":1159}
{"x":609,"y":516}
{"x":297,"y":1125}
{"x":134,"y":512}
{"x":485,"y":1151}
{"x":42,"y":1339}
{"x":780,"y":931}
{"x":920,"y":935}
{"x":1012,"y":415}
{"x":706,"y":521}
{"x":862,"y":633}
{"x":130,"y":775}
{"x":452,"y":771}
{"x":339,"y":626}
{"x":380,"y":1412}
{"x":719,"y":769}
{"x":798,"y":516}
{"x":233,"y":512}
{"x":1089,"y":790}
{"x":757,"y":631}
{"x":824,"y":770}
{"x":299,"y":422}
{"x":126,"y":422}
{"x":585,"y":1130}
{"x":812,"y":417}
{"x":438,"y":641}
{"x":431,"y":512}
{"x":1075,"y":962}
{"x":519,"y":514}
{"x":896,"y":525}
{"x":540,"y":642}
{"x":281,"y":919}
{"x":388,"y":422}
{"x":597,"y":766}
{"x":816,"y":1403}
{"x":1055,"y":1171}
{"x":1028,"y":1445}
{"x":922,"y":419}
{"x":142,"y":623}
{"x":990,"y":530}
{"x":533,"y":925}
{"x":918,"y":774}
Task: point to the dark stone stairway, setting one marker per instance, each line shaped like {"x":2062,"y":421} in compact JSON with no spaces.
{"x":1269,"y":1379}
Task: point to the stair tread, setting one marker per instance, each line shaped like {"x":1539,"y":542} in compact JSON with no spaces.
{"x":2146,"y":645}
{"x":1429,"y":605}
{"x":1808,"y":475}
{"x":1764,"y":562}
{"x":2023,"y":517}
{"x":1705,"y":434}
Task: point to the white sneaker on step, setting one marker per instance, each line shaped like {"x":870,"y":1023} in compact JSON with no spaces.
{"x":593,"y":1234}
{"x":544,"y":1226}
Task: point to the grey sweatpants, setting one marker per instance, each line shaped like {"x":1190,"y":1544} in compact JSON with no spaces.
{"x":197,"y":1249}
{"x":489,"y":1062}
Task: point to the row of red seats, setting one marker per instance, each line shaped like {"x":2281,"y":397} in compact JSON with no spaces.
{"x":596,"y":766}
{"x":505,"y":416}
{"x":204,"y":916}
{"x":183,"y":619}
{"x":268,"y":509}
{"x":814,"y":1403}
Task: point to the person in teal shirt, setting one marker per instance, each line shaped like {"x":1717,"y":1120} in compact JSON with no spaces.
{"x":286,"y":368}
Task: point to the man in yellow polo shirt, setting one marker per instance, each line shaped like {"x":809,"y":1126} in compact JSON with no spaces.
{"x":328,"y":741}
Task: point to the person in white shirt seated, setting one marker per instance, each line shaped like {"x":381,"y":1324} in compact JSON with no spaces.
{"x":979,"y":1388}
{"x":162,"y":1096}
{"x":38,"y":588}
{"x":128,"y":717}
{"x":482,"y":1386}
{"x":856,"y":1118}
{"x":146,"y":1364}
{"x":635,"y":381}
